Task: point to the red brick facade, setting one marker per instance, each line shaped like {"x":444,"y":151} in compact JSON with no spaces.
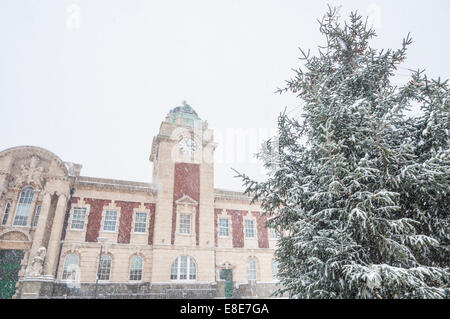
{"x":186,"y":182}
{"x":95,"y":217}
{"x":263,"y":238}
{"x":151,"y":222}
{"x":126,"y":220}
{"x":237,"y":227}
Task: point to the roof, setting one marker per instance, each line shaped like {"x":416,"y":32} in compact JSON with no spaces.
{"x":116,"y":184}
{"x":184,"y":109}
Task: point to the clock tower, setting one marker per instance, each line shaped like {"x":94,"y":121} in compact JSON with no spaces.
{"x":183,"y":171}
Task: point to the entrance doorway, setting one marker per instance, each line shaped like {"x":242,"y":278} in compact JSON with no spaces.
{"x":9,"y":271}
{"x":227,"y":275}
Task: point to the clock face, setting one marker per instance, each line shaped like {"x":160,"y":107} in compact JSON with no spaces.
{"x":187,"y":146}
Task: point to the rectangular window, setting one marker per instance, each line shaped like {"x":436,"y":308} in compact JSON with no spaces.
{"x":140,"y":223}
{"x":110,"y":220}
{"x":78,"y":217}
{"x":223,"y":227}
{"x":249,"y":231}
{"x":36,"y":215}
{"x":185,"y":224}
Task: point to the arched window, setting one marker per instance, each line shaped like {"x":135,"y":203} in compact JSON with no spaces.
{"x":183,"y":268}
{"x":23,"y":206}
{"x":70,"y":267}
{"x":274,"y":269}
{"x":251,"y":269}
{"x":136,"y":268}
{"x":6,"y":214}
{"x":104,"y":267}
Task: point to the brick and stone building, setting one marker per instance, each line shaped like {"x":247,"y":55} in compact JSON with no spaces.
{"x":64,"y":234}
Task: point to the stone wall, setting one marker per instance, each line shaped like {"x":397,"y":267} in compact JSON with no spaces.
{"x":131,"y":291}
{"x":149,"y":290}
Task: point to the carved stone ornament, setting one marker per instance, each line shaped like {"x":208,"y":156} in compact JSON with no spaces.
{"x":37,"y":264}
{"x":30,"y":173}
{"x":226,"y":265}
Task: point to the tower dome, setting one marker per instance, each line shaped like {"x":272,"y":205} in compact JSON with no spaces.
{"x":185,"y":108}
{"x":185,"y":112}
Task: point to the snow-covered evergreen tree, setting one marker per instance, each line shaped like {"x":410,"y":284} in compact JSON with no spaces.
{"x":363,"y":205}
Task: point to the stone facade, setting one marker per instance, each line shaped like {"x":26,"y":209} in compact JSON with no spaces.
{"x":166,"y":239}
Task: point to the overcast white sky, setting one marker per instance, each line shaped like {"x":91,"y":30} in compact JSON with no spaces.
{"x":92,"y":80}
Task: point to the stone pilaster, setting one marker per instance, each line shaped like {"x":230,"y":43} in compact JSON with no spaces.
{"x":41,"y":227}
{"x":55,"y":235}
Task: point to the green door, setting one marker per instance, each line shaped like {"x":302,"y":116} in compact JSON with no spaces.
{"x":9,"y":271}
{"x":227,"y":275}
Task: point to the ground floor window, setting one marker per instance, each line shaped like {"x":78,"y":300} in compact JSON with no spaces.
{"x":251,"y":269}
{"x":104,"y":268}
{"x":183,"y":268}
{"x":136,"y":269}
{"x":70,"y":267}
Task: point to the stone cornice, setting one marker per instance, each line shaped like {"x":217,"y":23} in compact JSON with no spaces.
{"x":231,"y":195}
{"x":115,"y":184}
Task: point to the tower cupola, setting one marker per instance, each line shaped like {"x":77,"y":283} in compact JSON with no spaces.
{"x":183,"y":114}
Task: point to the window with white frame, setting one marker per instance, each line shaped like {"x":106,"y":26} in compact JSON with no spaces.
{"x":223,"y":227}
{"x":251,"y":269}
{"x":78,"y":217}
{"x":140,"y":222}
{"x":183,"y":268}
{"x":249,"y":228}
{"x":104,"y":267}
{"x":70,"y":267}
{"x":274,"y":269}
{"x":36,"y":216}
{"x":185,"y":223}
{"x":110,"y":220}
{"x":6,"y":213}
{"x":136,"y":269}
{"x":24,"y":206}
